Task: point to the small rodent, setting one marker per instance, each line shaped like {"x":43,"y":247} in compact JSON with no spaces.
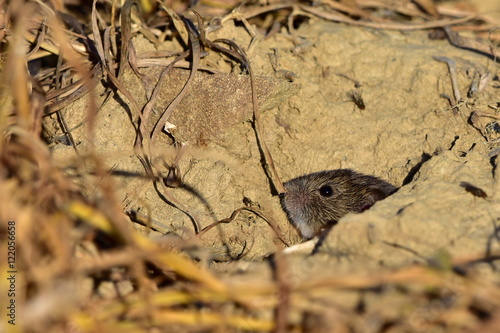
{"x":318,"y":200}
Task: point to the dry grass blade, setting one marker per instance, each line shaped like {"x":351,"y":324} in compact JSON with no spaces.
{"x":269,"y":163}
{"x":196,"y":54}
{"x":165,"y":260}
{"x":235,"y":213}
{"x":126,"y":27}
{"x":59,"y":99}
{"x":180,"y":25}
{"x":337,"y":17}
{"x":171,"y":199}
{"x":107,"y":69}
{"x":188,"y":319}
{"x":471,"y":44}
{"x":146,"y":111}
{"x":428,"y":6}
{"x":40,"y":40}
{"x":197,"y":319}
{"x":97,"y":36}
{"x":148,"y":162}
{"x":15,"y":68}
{"x":452,"y":67}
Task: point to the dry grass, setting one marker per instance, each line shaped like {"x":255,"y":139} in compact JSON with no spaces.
{"x":70,"y":246}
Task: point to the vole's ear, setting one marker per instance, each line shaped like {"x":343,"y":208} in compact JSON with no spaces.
{"x":372,"y":196}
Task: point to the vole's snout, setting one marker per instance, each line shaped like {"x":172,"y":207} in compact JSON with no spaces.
{"x":296,"y":199}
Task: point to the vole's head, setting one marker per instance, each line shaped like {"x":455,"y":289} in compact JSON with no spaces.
{"x":318,"y":200}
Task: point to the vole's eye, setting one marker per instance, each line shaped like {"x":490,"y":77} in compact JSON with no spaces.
{"x":326,"y":191}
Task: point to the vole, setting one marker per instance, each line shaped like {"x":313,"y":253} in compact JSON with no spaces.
{"x":316,"y":201}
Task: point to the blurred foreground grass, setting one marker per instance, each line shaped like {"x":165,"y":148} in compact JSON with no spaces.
{"x":61,"y":246}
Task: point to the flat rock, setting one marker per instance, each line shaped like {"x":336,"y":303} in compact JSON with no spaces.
{"x":213,"y":101}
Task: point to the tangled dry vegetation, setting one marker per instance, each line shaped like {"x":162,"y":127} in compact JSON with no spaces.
{"x":79,"y":265}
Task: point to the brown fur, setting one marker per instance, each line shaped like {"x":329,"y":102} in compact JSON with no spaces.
{"x":351,"y":192}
